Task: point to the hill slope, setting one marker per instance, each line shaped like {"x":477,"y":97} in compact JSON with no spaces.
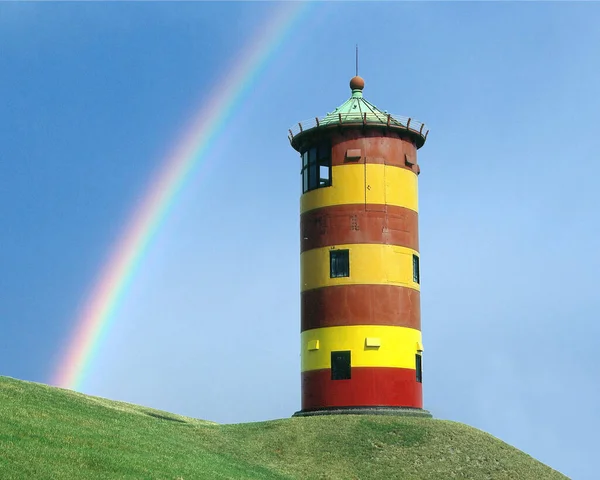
{"x":47,"y":432}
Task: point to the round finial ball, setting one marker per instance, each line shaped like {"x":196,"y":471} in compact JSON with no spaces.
{"x":357,"y":83}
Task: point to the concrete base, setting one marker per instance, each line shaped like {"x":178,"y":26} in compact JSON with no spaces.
{"x":400,"y":411}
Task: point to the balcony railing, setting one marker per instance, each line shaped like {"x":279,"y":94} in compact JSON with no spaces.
{"x":381,"y":119}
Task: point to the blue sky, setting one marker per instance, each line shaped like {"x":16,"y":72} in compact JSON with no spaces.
{"x":95,"y":96}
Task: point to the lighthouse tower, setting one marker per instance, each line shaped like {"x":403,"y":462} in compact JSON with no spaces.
{"x":361,"y":345}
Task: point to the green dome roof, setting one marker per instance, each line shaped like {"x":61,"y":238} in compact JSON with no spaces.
{"x":355,"y":107}
{"x":358,"y":111}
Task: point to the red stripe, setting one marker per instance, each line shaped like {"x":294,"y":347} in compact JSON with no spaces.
{"x":343,"y":305}
{"x":355,"y":223}
{"x":389,"y":149}
{"x":369,"y":386}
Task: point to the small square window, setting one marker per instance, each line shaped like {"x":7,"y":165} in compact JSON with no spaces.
{"x":340,"y":365}
{"x":416,"y":274}
{"x":339,"y":263}
{"x":419,"y":369}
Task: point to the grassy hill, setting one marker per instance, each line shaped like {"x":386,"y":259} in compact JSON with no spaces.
{"x":50,"y":433}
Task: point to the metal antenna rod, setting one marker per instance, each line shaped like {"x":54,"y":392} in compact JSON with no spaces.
{"x":357,"y":59}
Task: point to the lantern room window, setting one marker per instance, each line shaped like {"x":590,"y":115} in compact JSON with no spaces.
{"x":316,"y":167}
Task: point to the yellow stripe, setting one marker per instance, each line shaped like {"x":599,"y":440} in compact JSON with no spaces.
{"x":370,"y":264}
{"x":366,"y":183}
{"x":398,"y":346}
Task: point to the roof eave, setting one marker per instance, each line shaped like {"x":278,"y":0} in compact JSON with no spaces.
{"x":306,"y":137}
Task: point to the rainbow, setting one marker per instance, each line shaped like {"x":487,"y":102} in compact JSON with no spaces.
{"x":95,"y":318}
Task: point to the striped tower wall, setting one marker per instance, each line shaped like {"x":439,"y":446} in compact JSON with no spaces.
{"x":370,"y":209}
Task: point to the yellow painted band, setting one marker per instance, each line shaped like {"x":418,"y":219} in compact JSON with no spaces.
{"x":370,"y":264}
{"x":398,"y":346}
{"x":367,"y":184}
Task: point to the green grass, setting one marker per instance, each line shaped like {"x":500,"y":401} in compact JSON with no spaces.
{"x":50,"y":433}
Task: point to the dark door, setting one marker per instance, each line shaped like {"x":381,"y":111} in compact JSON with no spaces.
{"x":340,"y":365}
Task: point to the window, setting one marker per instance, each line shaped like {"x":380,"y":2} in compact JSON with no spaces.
{"x":416,"y":275}
{"x":316,"y":167}
{"x":419,"y":363}
{"x":339,"y":263}
{"x":304,"y":177}
{"x":340,"y":365}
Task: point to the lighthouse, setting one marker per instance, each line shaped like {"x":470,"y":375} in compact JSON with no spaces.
{"x":361,"y":345}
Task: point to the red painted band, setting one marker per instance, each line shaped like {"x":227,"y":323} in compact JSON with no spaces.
{"x":369,"y":386}
{"x":371,"y":140}
{"x":392,"y":149}
{"x":360,"y":305}
{"x":346,"y":224}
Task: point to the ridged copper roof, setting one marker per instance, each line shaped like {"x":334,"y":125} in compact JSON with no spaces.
{"x":358,"y":111}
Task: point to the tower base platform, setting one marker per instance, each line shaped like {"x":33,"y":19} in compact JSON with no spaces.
{"x":400,"y":411}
